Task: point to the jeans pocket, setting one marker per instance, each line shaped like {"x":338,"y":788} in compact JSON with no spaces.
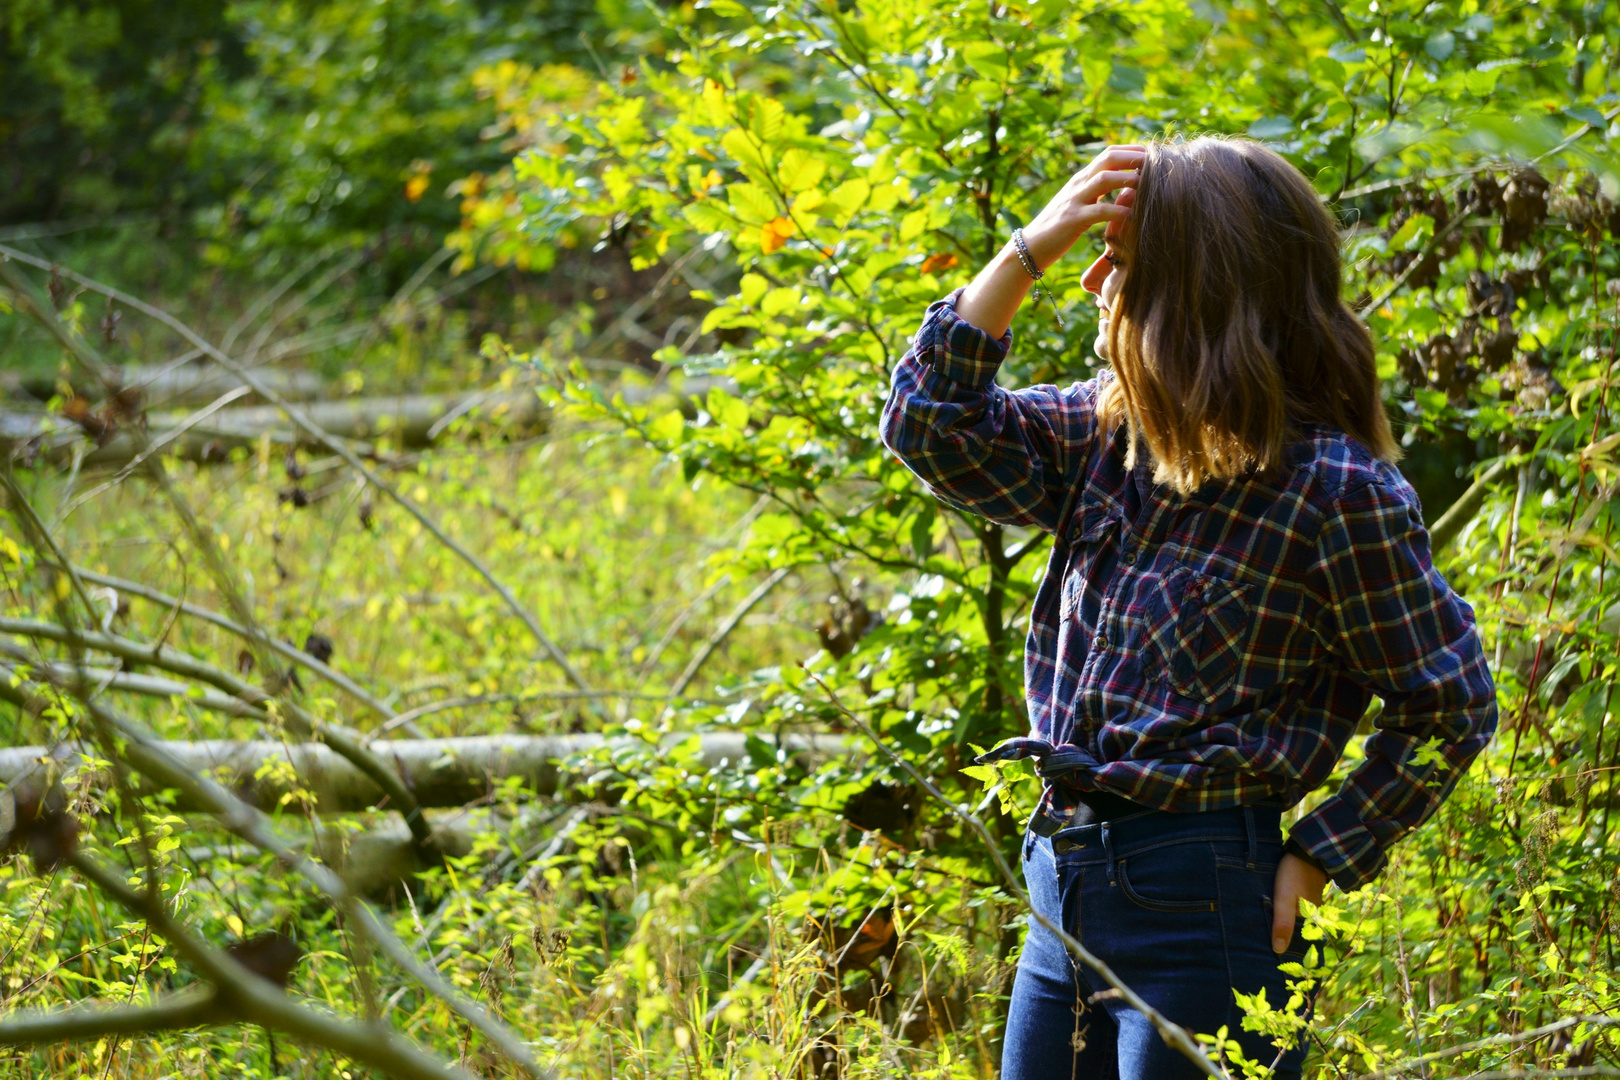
{"x":1168,"y":879}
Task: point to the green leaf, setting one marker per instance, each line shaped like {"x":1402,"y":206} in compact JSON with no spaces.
{"x":847,"y":198}
{"x":728,"y":411}
{"x":764,"y":117}
{"x":1271,"y":127}
{"x":751,"y":203}
{"x":800,"y":170}
{"x":668,"y":427}
{"x":705,"y":216}
{"x":912,"y":225}
{"x":751,"y":288}
{"x":744,"y":151}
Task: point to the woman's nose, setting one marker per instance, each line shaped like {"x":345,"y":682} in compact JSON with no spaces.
{"x":1092,"y":280}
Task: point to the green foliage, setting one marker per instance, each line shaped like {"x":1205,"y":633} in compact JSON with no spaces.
{"x":851,"y":163}
{"x":859,"y":161}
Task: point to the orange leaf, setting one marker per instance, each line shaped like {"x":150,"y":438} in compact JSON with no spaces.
{"x":942,"y":260}
{"x":774,"y":233}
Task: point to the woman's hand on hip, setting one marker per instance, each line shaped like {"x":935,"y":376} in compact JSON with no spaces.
{"x":1079,"y":205}
{"x":1296,"y":879}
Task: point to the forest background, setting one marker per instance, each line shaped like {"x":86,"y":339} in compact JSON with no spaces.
{"x":382,"y":371}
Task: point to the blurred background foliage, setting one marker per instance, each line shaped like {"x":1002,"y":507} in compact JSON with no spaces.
{"x":695,"y":238}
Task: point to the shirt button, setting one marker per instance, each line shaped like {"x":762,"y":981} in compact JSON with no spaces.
{"x":1101,"y":642}
{"x":1129,"y":556}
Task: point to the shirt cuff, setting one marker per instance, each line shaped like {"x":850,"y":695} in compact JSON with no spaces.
{"x":957,"y":349}
{"x":1340,"y":843}
{"x":1297,"y":850}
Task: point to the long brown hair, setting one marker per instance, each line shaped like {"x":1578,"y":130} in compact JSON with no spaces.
{"x":1229,"y":331}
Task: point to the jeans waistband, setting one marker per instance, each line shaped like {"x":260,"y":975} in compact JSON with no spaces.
{"x":1252,"y":824}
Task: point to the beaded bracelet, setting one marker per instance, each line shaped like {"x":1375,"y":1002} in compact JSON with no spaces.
{"x":1035,"y":272}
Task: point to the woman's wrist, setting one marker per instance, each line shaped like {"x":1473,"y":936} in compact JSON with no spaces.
{"x":994,"y":296}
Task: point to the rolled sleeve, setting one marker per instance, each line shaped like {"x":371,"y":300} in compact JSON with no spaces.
{"x":1010,"y":456}
{"x":1394,"y":623}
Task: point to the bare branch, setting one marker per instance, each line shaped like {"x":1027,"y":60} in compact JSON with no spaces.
{"x":297,"y":656}
{"x":1505,"y":1039}
{"x":340,"y":741}
{"x":175,"y":1013}
{"x":262,"y":1002}
{"x":724,"y":630}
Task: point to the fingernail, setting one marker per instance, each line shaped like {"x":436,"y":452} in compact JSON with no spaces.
{"x":1279,"y":944}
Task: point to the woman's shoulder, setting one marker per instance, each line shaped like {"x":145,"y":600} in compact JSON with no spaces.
{"x":1339,"y":467}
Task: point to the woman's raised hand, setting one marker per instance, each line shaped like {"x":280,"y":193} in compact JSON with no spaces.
{"x":1080,"y":205}
{"x":993,"y":297}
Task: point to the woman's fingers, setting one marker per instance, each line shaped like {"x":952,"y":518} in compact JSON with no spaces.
{"x":1102,"y":183}
{"x":1284,"y":909}
{"x":1115,"y":157}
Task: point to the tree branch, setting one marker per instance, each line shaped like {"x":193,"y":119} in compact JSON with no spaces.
{"x":258,"y":1000}
{"x":296,"y":655}
{"x":175,"y":1013}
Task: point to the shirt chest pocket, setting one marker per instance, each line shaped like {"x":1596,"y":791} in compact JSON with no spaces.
{"x":1094,"y":528}
{"x":1198,"y":631}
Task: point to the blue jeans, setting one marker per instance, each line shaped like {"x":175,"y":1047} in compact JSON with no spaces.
{"x":1179,"y":905}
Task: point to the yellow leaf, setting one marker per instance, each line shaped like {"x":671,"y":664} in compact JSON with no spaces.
{"x":774,"y":233}
{"x":416,"y":186}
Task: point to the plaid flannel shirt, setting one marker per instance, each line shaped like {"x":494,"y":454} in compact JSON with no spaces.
{"x":1193,"y":653}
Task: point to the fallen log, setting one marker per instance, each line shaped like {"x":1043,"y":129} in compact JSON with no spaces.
{"x":410,"y":421}
{"x":188,"y":384}
{"x":438,"y":772}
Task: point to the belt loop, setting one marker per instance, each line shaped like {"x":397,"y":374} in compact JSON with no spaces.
{"x":1108,"y":851}
{"x":1254,"y":844}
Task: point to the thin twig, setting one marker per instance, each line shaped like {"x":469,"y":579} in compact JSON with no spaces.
{"x":1494,"y":1040}
{"x":296,"y":655}
{"x":722,"y":631}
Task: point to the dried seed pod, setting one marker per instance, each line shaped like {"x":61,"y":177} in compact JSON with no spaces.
{"x":1524,"y":206}
{"x":295,"y":495}
{"x":271,"y":956}
{"x":1484,"y":196}
{"x":1488,"y":296}
{"x":35,"y":818}
{"x":1520,"y":281}
{"x":1411,"y":366}
{"x":319,"y":646}
{"x":1497,"y":349}
{"x":1576,"y":201}
{"x":882,"y":807}
{"x":1444,"y":359}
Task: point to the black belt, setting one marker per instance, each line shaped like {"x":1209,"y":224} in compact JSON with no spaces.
{"x":1091,"y":807}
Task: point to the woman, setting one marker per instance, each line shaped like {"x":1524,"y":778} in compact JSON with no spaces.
{"x":1238,"y":568}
